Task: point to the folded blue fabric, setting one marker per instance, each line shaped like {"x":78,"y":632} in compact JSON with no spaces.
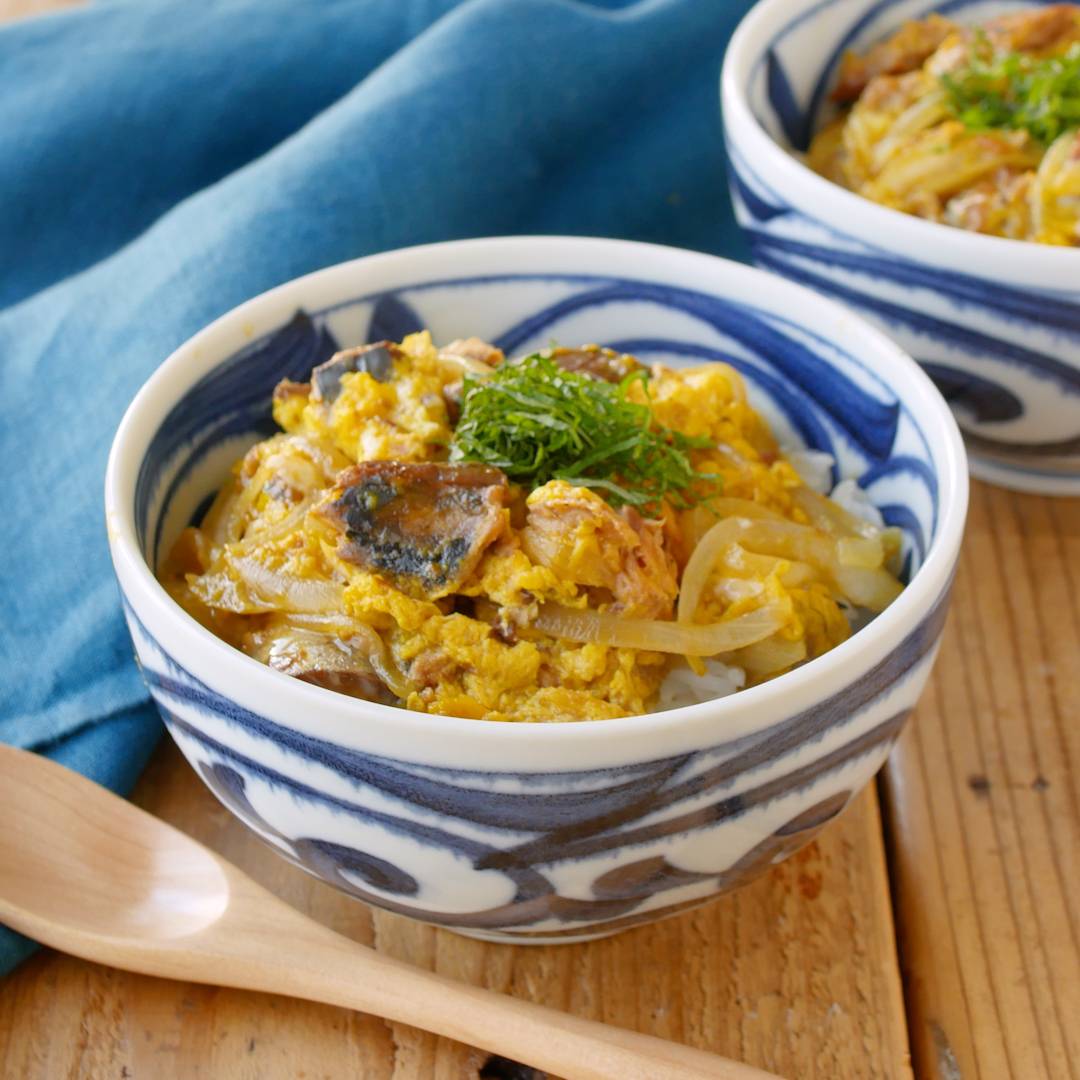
{"x":162,"y":161}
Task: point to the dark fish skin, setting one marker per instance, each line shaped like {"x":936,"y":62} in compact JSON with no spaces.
{"x":377,"y":360}
{"x":422,"y":525}
{"x":605,"y":365}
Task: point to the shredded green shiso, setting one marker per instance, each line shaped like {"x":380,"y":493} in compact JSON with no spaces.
{"x":537,"y":423}
{"x":1017,"y":92}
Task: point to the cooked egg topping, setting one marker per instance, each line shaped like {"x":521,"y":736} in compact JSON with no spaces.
{"x":975,"y":127}
{"x":535,"y":540}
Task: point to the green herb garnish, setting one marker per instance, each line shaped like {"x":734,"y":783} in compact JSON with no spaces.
{"x":1017,"y":92}
{"x":537,"y":423}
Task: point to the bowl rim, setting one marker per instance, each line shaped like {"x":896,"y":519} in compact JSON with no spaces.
{"x":742,"y":713}
{"x":854,"y":215}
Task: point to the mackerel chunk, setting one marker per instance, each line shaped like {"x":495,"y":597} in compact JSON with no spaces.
{"x":424,"y":526}
{"x":377,"y":360}
{"x":604,"y":365}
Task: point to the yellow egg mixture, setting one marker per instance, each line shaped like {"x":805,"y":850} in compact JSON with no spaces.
{"x":974,"y":127}
{"x":348,"y":552}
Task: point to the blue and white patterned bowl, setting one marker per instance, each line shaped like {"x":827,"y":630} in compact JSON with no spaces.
{"x":995,"y":323}
{"x":536,"y":832}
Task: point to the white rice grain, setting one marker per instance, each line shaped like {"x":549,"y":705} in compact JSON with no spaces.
{"x":683,"y":687}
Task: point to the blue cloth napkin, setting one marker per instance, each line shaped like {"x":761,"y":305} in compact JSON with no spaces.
{"x":162,"y":161}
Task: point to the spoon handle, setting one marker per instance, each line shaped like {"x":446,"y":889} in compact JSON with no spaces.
{"x":338,"y":971}
{"x":85,"y":872}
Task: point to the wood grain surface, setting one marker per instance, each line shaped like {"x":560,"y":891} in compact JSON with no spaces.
{"x":797,"y":973}
{"x":983,"y":804}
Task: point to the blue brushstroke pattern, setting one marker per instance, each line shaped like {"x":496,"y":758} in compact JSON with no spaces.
{"x":761,"y":210}
{"x":392,"y":319}
{"x":792,"y":119}
{"x":869,"y":422}
{"x":1028,"y":306}
{"x":230,"y":400}
{"x":1035,"y":363}
{"x":983,"y":400}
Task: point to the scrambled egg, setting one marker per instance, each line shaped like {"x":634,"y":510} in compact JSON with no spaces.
{"x":404,"y":418}
{"x":1000,"y":156}
{"x":347,"y":552}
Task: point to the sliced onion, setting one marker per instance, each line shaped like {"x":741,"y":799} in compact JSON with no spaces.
{"x":748,"y":564}
{"x":467,"y":363}
{"x":270,"y":533}
{"x":226,"y":520}
{"x":697,"y":522}
{"x":336,"y":623}
{"x":696,"y":575}
{"x":831,"y":517}
{"x":892,"y":543}
{"x":871,"y":589}
{"x":292,"y":647}
{"x":823,"y":513}
{"x":381,"y":658}
{"x":325,"y":455}
{"x":859,"y":551}
{"x":774,"y":654}
{"x":220,"y":524}
{"x":874,"y":588}
{"x":650,"y":635}
{"x":219,"y":590}
{"x":287,"y":593}
{"x":728,"y":507}
{"x":359,"y":636}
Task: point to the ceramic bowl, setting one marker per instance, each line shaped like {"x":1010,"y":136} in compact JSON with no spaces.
{"x":995,"y":323}
{"x":541,"y":832}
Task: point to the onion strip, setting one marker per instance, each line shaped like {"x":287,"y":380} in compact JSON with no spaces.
{"x":874,"y":590}
{"x":831,"y":517}
{"x":870,"y":587}
{"x":285,"y":593}
{"x":469,"y":364}
{"x":270,"y":533}
{"x":606,"y":628}
{"x":859,"y":551}
{"x":774,"y":654}
{"x":335,"y":643}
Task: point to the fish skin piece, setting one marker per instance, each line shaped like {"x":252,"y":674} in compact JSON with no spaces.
{"x":377,"y":360}
{"x":604,"y":365}
{"x":424,"y":526}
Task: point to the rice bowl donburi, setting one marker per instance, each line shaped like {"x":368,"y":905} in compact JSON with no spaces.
{"x":556,"y":537}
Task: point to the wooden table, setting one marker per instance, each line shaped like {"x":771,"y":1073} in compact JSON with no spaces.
{"x":966,"y":854}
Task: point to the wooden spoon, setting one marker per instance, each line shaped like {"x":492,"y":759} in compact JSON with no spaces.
{"x":86,"y":872}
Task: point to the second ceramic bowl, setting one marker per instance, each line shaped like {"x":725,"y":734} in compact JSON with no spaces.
{"x":996,"y":323}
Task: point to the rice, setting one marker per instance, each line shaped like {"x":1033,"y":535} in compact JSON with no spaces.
{"x":684,"y":687}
